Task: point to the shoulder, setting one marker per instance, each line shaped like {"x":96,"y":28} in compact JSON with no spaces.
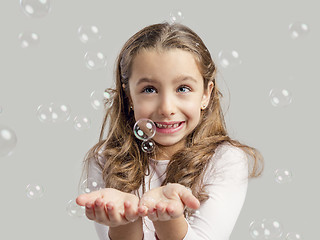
{"x":228,"y":162}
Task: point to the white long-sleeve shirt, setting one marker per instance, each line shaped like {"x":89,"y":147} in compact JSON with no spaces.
{"x":227,"y":182}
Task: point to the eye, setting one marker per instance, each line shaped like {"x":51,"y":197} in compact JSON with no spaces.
{"x":149,"y":89}
{"x":184,"y":89}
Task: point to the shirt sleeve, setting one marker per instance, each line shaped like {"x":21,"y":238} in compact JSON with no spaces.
{"x":227,"y":182}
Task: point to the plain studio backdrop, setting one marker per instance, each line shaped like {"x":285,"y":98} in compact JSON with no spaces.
{"x":53,"y":69}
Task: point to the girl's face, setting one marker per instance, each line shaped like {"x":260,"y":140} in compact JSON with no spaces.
{"x":168,"y":88}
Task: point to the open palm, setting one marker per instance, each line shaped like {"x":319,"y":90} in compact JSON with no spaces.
{"x":167,"y":202}
{"x":110,"y":206}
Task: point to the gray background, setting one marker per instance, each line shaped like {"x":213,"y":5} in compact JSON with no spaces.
{"x":54,"y":71}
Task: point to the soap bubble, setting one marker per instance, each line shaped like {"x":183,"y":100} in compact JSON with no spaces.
{"x":280,"y":97}
{"x":229,"y":58}
{"x":147,"y":146}
{"x":108,"y":96}
{"x":74,"y":210}
{"x":265,"y":229}
{"x":96,"y":99}
{"x":144,"y":129}
{"x":53,"y":113}
{"x":89,"y":33}
{"x":283,"y":176}
{"x":81,"y":123}
{"x":293,"y":236}
{"x":95,"y":60}
{"x":8,"y":141}
{"x":90,"y":185}
{"x":28,"y":39}
{"x":176,"y":16}
{"x":298,"y":30}
{"x":36,"y":8}
{"x":34,"y":191}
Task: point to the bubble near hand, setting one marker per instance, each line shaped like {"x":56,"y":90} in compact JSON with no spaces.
{"x":144,"y":129}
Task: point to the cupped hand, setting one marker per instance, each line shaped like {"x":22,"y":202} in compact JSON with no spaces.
{"x":167,"y":202}
{"x":110,"y":206}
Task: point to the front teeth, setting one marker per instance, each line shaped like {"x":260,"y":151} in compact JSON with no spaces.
{"x":167,"y":126}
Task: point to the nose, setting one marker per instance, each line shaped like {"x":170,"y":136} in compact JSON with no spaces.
{"x":166,"y":106}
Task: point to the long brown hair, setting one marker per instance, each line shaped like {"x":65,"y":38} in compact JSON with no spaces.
{"x":124,"y":164}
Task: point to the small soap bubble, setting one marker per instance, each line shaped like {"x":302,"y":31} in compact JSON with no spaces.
{"x":8,"y":140}
{"x":74,"y":210}
{"x":36,"y":8}
{"x":280,"y":97}
{"x":81,"y":123}
{"x":144,"y":129}
{"x":265,"y":229}
{"x":0,"y":109}
{"x":53,"y":113}
{"x":176,"y":16}
{"x":147,"y":146}
{"x":256,"y":229}
{"x":28,"y":39}
{"x":108,"y":96}
{"x":293,"y":236}
{"x":272,"y":229}
{"x":95,"y":60}
{"x":90,"y":185}
{"x":89,"y":33}
{"x":96,"y":98}
{"x":298,"y":30}
{"x":34,"y":191}
{"x":283,"y":176}
{"x":229,"y":58}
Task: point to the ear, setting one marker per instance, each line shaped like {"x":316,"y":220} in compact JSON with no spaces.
{"x":206,"y":94}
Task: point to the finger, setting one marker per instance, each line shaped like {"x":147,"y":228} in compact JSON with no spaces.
{"x":90,"y":211}
{"x":152,"y":214}
{"x":130,"y":213}
{"x":142,"y":211}
{"x":100,"y":214}
{"x":188,"y":198}
{"x":174,"y":211}
{"x":113,"y":213}
{"x":88,"y":197}
{"x":163,"y":215}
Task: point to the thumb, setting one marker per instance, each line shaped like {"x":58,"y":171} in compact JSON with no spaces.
{"x":188,"y":198}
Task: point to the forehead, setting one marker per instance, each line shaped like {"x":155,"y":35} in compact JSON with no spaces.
{"x":165,"y":64}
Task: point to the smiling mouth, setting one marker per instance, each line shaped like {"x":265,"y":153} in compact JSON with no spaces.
{"x":166,"y":126}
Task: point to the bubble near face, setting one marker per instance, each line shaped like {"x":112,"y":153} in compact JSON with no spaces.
{"x":147,"y":146}
{"x":280,"y":97}
{"x":74,"y":210}
{"x":81,"y":123}
{"x":144,"y":129}
{"x":229,"y":58}
{"x":8,"y":141}
{"x":53,"y":113}
{"x":34,"y":191}
{"x":36,"y":8}
{"x":88,"y":33}
{"x":95,"y":60}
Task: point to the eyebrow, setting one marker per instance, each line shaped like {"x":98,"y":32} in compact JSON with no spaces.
{"x":180,"y":78}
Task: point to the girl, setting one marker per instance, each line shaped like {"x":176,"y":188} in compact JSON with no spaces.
{"x":194,"y":184}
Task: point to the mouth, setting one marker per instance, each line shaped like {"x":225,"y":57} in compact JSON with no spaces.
{"x":168,"y":125}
